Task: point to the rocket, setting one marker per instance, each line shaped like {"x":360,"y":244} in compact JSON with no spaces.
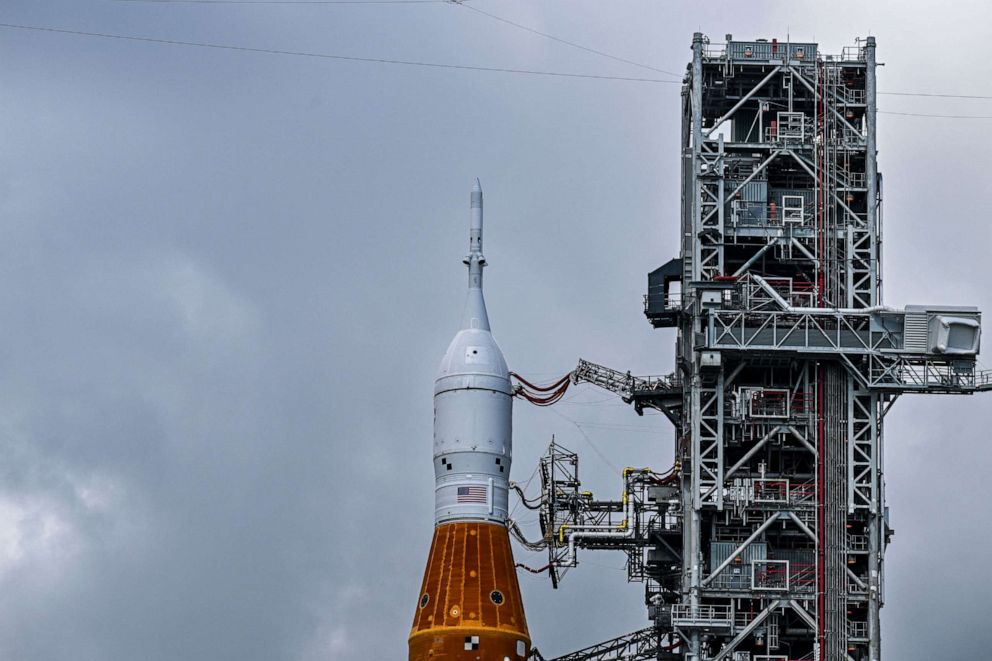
{"x":469,"y":607}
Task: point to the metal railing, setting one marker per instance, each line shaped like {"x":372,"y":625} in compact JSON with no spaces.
{"x":799,"y":294}
{"x":927,"y":375}
{"x":622,"y":383}
{"x":857,"y":543}
{"x":850,"y":179}
{"x":852,"y":96}
{"x":765,"y":575}
{"x":747,"y":214}
{"x":657,"y":302}
{"x":857,"y":630}
{"x":687,"y":615}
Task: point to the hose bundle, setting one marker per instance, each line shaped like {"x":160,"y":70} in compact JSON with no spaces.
{"x":529,"y":504}
{"x":518,"y":534}
{"x":541,"y":395}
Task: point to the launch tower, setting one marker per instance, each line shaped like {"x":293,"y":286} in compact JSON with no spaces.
{"x":766,"y":541}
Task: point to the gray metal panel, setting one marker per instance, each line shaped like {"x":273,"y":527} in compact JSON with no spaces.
{"x":755,"y":191}
{"x":766,"y":50}
{"x":737,"y":576}
{"x":916,"y":332}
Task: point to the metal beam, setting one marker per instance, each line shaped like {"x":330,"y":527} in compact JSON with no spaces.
{"x":861,"y":584}
{"x":806,"y":83}
{"x":802,"y":439}
{"x":803,"y":613}
{"x":744,"y":267}
{"x":747,"y":457}
{"x":747,"y":97}
{"x":746,"y":631}
{"x":802,"y":526}
{"x":740,"y":549}
{"x":758,"y":170}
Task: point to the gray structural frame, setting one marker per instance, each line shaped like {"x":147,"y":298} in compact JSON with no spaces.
{"x":767,"y":539}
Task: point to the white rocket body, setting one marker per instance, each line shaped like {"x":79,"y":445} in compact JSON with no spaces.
{"x":473,"y":408}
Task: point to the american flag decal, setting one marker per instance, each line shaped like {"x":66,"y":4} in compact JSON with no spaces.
{"x":471,"y":494}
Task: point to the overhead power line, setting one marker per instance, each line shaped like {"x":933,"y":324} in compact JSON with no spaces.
{"x":463,"y":3}
{"x":415,"y":63}
{"x":460,"y":3}
{"x":936,"y":116}
{"x":938,"y":96}
{"x":329,"y":56}
{"x":287,"y":2}
{"x":563,"y":41}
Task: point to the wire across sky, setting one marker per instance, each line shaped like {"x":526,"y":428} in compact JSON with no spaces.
{"x":676,"y":78}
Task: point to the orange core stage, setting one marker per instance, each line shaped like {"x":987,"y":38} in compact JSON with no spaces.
{"x":470,"y":607}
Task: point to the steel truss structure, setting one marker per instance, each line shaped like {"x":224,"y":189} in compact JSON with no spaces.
{"x":766,"y":541}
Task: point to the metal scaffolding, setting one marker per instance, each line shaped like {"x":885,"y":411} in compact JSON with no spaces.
{"x":766,"y":541}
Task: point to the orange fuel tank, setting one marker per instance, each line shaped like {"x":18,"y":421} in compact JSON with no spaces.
{"x":470,"y":607}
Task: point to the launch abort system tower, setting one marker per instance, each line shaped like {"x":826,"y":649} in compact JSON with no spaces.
{"x":767,"y":540}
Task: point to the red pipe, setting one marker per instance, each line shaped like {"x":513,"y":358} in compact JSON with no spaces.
{"x":821,"y":507}
{"x":549,"y":388}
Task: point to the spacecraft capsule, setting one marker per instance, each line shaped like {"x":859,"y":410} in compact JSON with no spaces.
{"x":470,"y":606}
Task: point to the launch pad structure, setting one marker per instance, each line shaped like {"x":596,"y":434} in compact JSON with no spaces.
{"x":766,"y":539}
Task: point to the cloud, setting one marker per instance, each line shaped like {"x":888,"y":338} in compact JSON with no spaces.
{"x":226,"y":281}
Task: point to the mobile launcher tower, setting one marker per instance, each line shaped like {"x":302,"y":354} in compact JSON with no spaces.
{"x":766,"y":540}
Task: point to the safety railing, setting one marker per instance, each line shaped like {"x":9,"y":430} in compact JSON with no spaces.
{"x":759,"y":214}
{"x":857,"y":543}
{"x":795,"y":293}
{"x":923,"y":374}
{"x":851,"y":96}
{"x":702,"y":615}
{"x":850,"y":179}
{"x":656,"y":302}
{"x":767,"y":575}
{"x":789,"y":135}
{"x":850,"y":138}
{"x":857,"y":630}
{"x":853,"y":587}
{"x":983,"y":379}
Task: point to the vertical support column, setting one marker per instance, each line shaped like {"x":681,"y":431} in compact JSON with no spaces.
{"x":692,"y":520}
{"x":834,"y":536}
{"x":818,"y":192}
{"x":875,"y":538}
{"x":877,"y":510}
{"x":871,"y":164}
{"x":691,"y":505}
{"x":720,"y":384}
{"x":696,"y":92}
{"x":849,"y":276}
{"x":721,"y":200}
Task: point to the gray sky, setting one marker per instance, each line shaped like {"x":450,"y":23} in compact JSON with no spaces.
{"x":227,"y":278}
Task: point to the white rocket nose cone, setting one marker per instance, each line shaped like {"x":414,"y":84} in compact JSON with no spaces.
{"x":474,"y":352}
{"x":476,"y":195}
